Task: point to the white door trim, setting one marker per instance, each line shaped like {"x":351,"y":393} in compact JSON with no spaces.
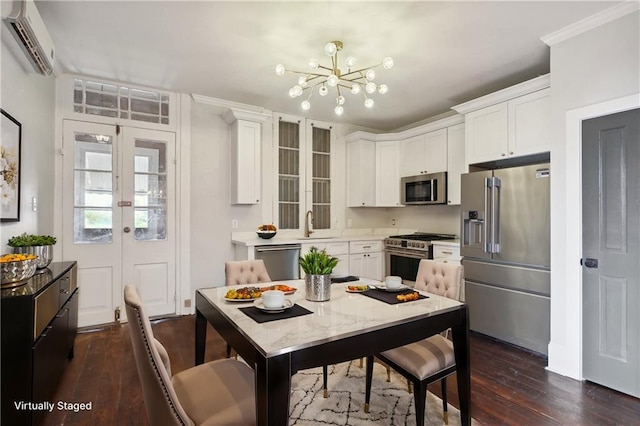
{"x":565,"y":357}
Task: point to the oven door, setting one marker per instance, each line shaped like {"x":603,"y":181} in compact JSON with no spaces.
{"x":404,"y":263}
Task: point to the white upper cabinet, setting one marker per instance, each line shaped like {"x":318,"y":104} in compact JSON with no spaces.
{"x":246,"y":140}
{"x":426,"y":153}
{"x":510,"y":123}
{"x":361,"y":173}
{"x":387,"y":174}
{"x":455,"y":162}
{"x":530,"y":124}
{"x":486,"y":134}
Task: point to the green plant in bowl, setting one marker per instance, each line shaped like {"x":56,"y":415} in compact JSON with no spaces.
{"x":39,"y":245}
{"x":30,"y":240}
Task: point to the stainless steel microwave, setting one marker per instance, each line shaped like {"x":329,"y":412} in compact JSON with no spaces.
{"x":424,"y":189}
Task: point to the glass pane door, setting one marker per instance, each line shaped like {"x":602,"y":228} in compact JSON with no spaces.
{"x":93,"y":188}
{"x":150,"y":190}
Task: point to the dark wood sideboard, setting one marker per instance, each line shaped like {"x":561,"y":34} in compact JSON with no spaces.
{"x":39,"y":325}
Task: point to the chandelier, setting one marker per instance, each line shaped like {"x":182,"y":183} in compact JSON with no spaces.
{"x":356,"y":81}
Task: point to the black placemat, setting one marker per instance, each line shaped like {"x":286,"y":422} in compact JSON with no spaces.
{"x":260,"y":316}
{"x":390,"y":297}
{"x":344,"y":279}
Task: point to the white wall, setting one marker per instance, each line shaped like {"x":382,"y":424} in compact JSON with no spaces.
{"x":593,"y":67}
{"x":30,"y":99}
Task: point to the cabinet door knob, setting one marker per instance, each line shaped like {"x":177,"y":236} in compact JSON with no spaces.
{"x":511,"y":153}
{"x":127,"y":229}
{"x":503,"y":154}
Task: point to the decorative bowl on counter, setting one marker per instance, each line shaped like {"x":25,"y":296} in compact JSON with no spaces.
{"x":17,"y":268}
{"x":267,"y":231}
{"x":44,"y":254}
{"x":266,"y":234}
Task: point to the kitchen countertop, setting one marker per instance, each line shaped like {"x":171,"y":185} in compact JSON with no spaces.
{"x":257,"y":241}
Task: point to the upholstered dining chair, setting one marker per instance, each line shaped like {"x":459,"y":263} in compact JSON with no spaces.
{"x":217,"y":393}
{"x":239,"y":272}
{"x":245,"y":272}
{"x":430,"y":359}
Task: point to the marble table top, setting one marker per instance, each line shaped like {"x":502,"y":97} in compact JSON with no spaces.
{"x":345,"y":314}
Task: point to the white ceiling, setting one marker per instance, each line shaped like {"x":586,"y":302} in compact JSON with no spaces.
{"x":445,"y":53}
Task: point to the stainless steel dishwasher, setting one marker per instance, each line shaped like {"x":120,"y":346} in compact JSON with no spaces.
{"x":281,"y":260}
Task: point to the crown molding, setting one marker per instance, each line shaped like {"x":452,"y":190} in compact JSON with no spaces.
{"x":524,"y":88}
{"x":208,"y":100}
{"x":408,"y":133}
{"x":593,"y":21}
{"x":233,"y":114}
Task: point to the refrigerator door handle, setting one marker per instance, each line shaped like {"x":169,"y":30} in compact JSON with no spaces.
{"x":487,"y":222}
{"x":495,"y":214}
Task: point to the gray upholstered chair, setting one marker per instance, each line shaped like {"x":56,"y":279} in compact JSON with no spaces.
{"x":430,"y":359}
{"x":216,"y":393}
{"x":240,"y":272}
{"x":245,"y":272}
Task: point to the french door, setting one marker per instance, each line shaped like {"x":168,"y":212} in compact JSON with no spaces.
{"x":119,"y":217}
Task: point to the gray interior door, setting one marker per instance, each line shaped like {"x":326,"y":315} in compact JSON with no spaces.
{"x":611,"y":253}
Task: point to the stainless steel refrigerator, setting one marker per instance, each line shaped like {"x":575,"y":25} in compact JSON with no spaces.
{"x":505,"y":248}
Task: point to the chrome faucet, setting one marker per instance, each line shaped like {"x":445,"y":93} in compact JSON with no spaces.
{"x":307,"y":228}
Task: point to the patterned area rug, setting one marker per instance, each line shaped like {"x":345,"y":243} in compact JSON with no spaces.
{"x":391,"y":404}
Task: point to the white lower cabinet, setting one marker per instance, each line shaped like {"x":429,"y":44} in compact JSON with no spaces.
{"x":366,"y":259}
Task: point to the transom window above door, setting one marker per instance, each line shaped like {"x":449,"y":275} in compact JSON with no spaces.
{"x":111,"y":100}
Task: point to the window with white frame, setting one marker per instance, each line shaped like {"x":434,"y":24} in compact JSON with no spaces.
{"x":110,"y":100}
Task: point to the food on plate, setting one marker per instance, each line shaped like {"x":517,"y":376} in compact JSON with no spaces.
{"x":16,"y":257}
{"x":407,"y":297}
{"x":267,"y":228}
{"x":358,"y":287}
{"x":281,"y":287}
{"x":244,"y":293}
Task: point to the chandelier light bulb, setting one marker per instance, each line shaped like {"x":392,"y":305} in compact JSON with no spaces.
{"x":339,"y":110}
{"x":355,"y":89}
{"x":313,"y":63}
{"x":302,"y":80}
{"x":305,"y":105}
{"x":370,"y":75}
{"x":340,"y":100}
{"x":298,"y":89}
{"x":368,"y":103}
{"x":387,"y":63}
{"x":280,"y":69}
{"x":292,"y":92}
{"x":332,"y":80}
{"x":370,"y":87}
{"x":382,"y":89}
{"x":350,"y":62}
{"x":322,"y":91}
{"x":330,"y":49}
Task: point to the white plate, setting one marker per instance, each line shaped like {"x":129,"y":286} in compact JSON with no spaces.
{"x":391,"y":290}
{"x":241,"y":300}
{"x":258,"y":304}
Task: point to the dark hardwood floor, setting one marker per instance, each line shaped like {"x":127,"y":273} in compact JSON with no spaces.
{"x":509,"y":386}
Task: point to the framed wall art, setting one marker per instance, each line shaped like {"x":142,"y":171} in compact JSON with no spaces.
{"x":10,"y":168}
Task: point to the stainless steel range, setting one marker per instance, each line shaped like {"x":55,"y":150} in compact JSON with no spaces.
{"x":404,"y":252}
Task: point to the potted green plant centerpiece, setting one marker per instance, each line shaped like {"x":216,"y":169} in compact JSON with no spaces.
{"x":318,"y":265}
{"x":40,"y":245}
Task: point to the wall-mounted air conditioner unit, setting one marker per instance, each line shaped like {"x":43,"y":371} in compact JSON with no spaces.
{"x":33,"y":36}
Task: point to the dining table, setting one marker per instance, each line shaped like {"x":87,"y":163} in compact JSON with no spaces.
{"x":348,"y":326}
